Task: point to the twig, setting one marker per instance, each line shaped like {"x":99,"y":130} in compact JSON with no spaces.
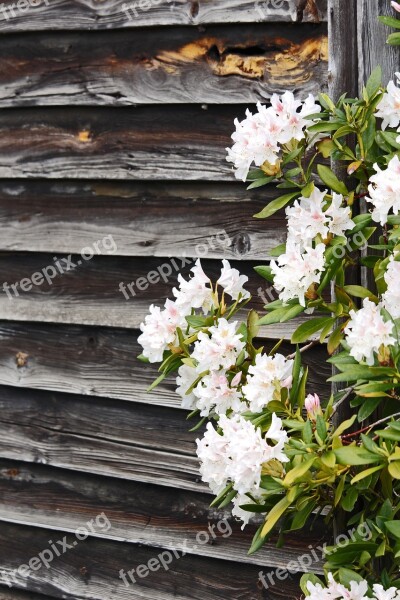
{"x":304,"y":349}
{"x":348,"y":393}
{"x":371,"y":426}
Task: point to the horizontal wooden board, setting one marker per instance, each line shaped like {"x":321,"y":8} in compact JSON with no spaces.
{"x":15,"y":594}
{"x":238,"y":64}
{"x":78,"y":14}
{"x":100,"y":362}
{"x":91,"y":570}
{"x":111,"y":291}
{"x":139,"y":513}
{"x":144,"y":219}
{"x":143,"y":143}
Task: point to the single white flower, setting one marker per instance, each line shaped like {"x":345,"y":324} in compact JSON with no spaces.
{"x":232,"y":282}
{"x":214,"y":393}
{"x":388,"y":108}
{"x":194,"y":293}
{"x":307,"y":219}
{"x":367,"y":332}
{"x":266,"y":377}
{"x":384,"y":191}
{"x":219,"y":348}
{"x":391,"y":298}
{"x":186,"y":378}
{"x":159,"y":330}
{"x":296,"y":270}
{"x":340,"y":216}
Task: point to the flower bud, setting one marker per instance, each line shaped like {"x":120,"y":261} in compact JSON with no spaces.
{"x":396,"y":6}
{"x":313,"y":406}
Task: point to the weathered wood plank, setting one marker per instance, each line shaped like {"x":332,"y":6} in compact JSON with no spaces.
{"x":110,"y":14}
{"x":99,"y":362}
{"x":144,"y":219}
{"x":108,"y":291}
{"x":139,"y":513}
{"x":372,"y":35}
{"x":91,"y":570}
{"x":231,"y":65}
{"x":116,"y":439}
{"x":14,"y":594}
{"x":143,"y":143}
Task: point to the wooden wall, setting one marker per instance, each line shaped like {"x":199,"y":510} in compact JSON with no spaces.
{"x":118,"y":127}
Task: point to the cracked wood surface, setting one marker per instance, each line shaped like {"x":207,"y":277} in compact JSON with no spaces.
{"x":238,"y":64}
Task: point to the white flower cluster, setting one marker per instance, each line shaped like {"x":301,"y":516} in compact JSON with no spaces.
{"x":367,"y":331}
{"x":384,"y":191}
{"x":237,"y":456}
{"x":266,"y":379}
{"x":355,"y":591}
{"x":302,"y":264}
{"x":259,"y":137}
{"x":159,"y":331}
{"x":391,"y":298}
{"x":388,"y":108}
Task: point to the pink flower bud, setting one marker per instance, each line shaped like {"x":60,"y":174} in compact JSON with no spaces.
{"x":236,"y":380}
{"x":396,"y":6}
{"x":288,"y":382}
{"x":313,"y":406}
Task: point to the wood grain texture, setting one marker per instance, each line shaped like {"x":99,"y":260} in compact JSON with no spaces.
{"x":99,"y":362}
{"x":139,"y":513}
{"x":146,"y":143}
{"x":112,"y":291}
{"x":372,"y":35}
{"x":14,"y":594}
{"x":228,"y":65}
{"x":144,"y":219}
{"x":109,"y":14}
{"x":91,"y":571}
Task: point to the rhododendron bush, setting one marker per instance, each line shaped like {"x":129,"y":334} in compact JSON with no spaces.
{"x":269,"y":444}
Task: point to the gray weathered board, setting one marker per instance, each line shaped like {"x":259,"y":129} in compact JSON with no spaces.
{"x":117,"y":126}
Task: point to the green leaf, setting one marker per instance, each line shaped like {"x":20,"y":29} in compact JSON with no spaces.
{"x":321,"y":427}
{"x":390,"y":22}
{"x":349,"y":499}
{"x":274,"y":316}
{"x":156,"y":382}
{"x":354,"y":456}
{"x":311,"y":326}
{"x":298,"y":472}
{"x":302,"y":515}
{"x":330,"y":179}
{"x":366,"y":473}
{"x":294,"y":311}
{"x":375,"y":81}
{"x":367,"y":408}
{"x":394,"y":39}
{"x":265,"y":272}
{"x":260,"y":182}
{"x":276,"y":205}
{"x":274,"y":515}
{"x":344,"y":426}
{"x":393,"y":527}
{"x":394,"y":469}
{"x":358,"y":291}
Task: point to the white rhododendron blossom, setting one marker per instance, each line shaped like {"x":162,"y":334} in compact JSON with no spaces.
{"x":258,"y":138}
{"x":391,"y":298}
{"x":237,"y":456}
{"x":214,"y":393}
{"x":354,"y":591}
{"x":232,"y":282}
{"x":220,"y":349}
{"x":185,"y":380}
{"x":159,"y":330}
{"x":389,"y":107}
{"x":395,"y":5}
{"x":194,"y":293}
{"x":308,"y":218}
{"x":384,"y":191}
{"x":367,"y":331}
{"x":340,"y":216}
{"x":267,"y":376}
{"x":296,"y":270}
